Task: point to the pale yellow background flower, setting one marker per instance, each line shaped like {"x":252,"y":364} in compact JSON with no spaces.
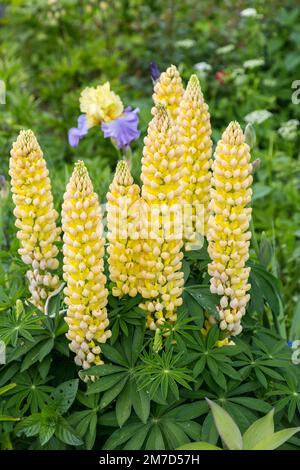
{"x":100,"y":104}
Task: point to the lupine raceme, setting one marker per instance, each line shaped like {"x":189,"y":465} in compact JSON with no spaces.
{"x":195,"y":137}
{"x":35,"y":216}
{"x":228,"y":234}
{"x":83,"y":249}
{"x":163,"y":185}
{"x":123,"y":232}
{"x":169,"y":90}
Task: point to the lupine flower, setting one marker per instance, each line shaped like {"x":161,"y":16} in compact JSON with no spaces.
{"x":35,"y":216}
{"x":124,"y":129}
{"x":76,"y":133}
{"x":194,"y":136}
{"x":83,"y":249}
{"x":124,"y":244}
{"x":228,"y":235}
{"x":169,"y":90}
{"x":163,"y":185}
{"x":100,"y":104}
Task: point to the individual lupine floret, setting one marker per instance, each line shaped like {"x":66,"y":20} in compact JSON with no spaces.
{"x":85,"y":293}
{"x":195,"y":137}
{"x":123,"y":232}
{"x":35,"y":216}
{"x":169,"y":90}
{"x":228,"y":235}
{"x":161,"y":233}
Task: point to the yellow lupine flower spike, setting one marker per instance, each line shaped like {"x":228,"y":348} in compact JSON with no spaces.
{"x":122,"y":222}
{"x":228,"y":235}
{"x":35,"y":216}
{"x":86,"y":295}
{"x":195,"y":137}
{"x":163,"y":185}
{"x":169,"y":90}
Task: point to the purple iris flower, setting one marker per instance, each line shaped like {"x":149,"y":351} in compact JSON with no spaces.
{"x":124,"y":129}
{"x":154,"y":71}
{"x":76,"y":133}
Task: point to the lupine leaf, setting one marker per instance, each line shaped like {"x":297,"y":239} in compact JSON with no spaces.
{"x":226,"y":427}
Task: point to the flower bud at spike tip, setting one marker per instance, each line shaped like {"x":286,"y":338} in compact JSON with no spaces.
{"x":35,"y":216}
{"x":162,"y":177}
{"x":123,"y":227}
{"x":85,"y":293}
{"x":228,"y":235}
{"x":168,"y":90}
{"x":195,"y":137}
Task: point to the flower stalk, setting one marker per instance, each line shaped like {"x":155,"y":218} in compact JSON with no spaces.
{"x":229,"y":235}
{"x":163,"y":185}
{"x":195,"y":137}
{"x":35,"y":216}
{"x":83,"y":249}
{"x":123,"y":232}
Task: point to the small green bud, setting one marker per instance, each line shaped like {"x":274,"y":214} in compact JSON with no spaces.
{"x":250,"y":135}
{"x":157,"y":345}
{"x":19,"y":308}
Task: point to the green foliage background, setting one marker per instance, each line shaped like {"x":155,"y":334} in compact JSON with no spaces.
{"x":49,"y":51}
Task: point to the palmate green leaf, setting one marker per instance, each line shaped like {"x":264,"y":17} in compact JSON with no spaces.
{"x":112,"y":393}
{"x":37,"y":353}
{"x":198,"y":446}
{"x":191,"y":429}
{"x":209,"y":431}
{"x":29,"y":426}
{"x":189,"y":411}
{"x":194,"y":308}
{"x":122,"y":435}
{"x":252,"y":403}
{"x":205,"y":298}
{"x":226,"y":427}
{"x":31,"y":392}
{"x":276,"y":439}
{"x":137,"y":440}
{"x":85,"y":425}
{"x":102,"y":370}
{"x":295,"y":327}
{"x":46,"y":431}
{"x":199,"y":366}
{"x":113,"y":355}
{"x":105,"y":383}
{"x":63,"y":396}
{"x":260,"y":429}
{"x":155,"y":439}
{"x":123,"y":405}
{"x":174,"y":434}
{"x":140,"y":402}
{"x":65,"y":433}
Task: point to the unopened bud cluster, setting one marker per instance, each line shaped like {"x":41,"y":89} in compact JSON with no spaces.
{"x":229,"y":235}
{"x":169,"y":90}
{"x":35,"y":216}
{"x":83,"y":249}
